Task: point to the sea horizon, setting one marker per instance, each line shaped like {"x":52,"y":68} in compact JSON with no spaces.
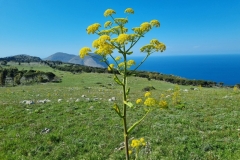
{"x":220,"y":68}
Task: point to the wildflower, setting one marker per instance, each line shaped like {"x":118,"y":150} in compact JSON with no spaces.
{"x":147,"y":94}
{"x":130,"y":151}
{"x":235,"y":88}
{"x":129,"y":10}
{"x":150,"y":102}
{"x":130,"y":63}
{"x":147,"y":48}
{"x":84,"y":51}
{"x":110,"y":67}
{"x":163,"y":104}
{"x":137,"y":30}
{"x":145,"y":27}
{"x":118,"y":58}
{"x":155,"y":23}
{"x":138,"y":101}
{"x":107,"y":24}
{"x":109,"y":12}
{"x":135,"y":143}
{"x":143,"y":141}
{"x":103,"y":39}
{"x":93,"y":28}
{"x":120,"y":65}
{"x":121,"y":21}
{"x":123,"y":38}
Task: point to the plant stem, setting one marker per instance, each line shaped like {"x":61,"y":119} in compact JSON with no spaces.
{"x":125,"y":108}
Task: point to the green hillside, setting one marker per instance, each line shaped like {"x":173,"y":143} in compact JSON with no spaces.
{"x":74,"y":119}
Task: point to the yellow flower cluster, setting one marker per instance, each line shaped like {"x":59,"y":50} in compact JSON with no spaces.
{"x":123,"y":38}
{"x":118,"y":58}
{"x":136,"y":143}
{"x":163,"y":104}
{"x":129,"y":10}
{"x":110,"y":67}
{"x":93,"y":28}
{"x":107,"y":24}
{"x":137,"y":30}
{"x":84,"y":51}
{"x":150,"y":102}
{"x":138,"y":101}
{"x":147,"y":94}
{"x":109,"y":12}
{"x":121,"y":21}
{"x":103,"y":45}
{"x":235,"y":89}
{"x":154,"y":45}
{"x":130,"y":63}
{"x":155,"y":23}
{"x":145,"y":27}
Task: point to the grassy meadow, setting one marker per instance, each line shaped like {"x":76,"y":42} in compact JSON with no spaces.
{"x":86,"y":127}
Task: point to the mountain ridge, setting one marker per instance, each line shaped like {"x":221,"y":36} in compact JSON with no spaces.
{"x":92,"y":60}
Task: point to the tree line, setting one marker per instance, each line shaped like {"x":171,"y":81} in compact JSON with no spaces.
{"x":13,"y":76}
{"x":75,"y":68}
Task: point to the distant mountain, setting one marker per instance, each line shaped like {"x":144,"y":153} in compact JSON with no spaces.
{"x":22,"y":58}
{"x":92,"y":60}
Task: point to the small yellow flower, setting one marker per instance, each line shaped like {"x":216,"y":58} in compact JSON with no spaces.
{"x":137,"y":30}
{"x":138,"y":101}
{"x":93,"y":28}
{"x":110,"y":67}
{"x":129,"y":10}
{"x":109,"y":12}
{"x":155,"y":23}
{"x":135,"y":143}
{"x":147,"y":94}
{"x":145,"y":27}
{"x":150,"y":102}
{"x":123,"y":38}
{"x":235,"y":88}
{"x":118,"y":58}
{"x":143,"y":143}
{"x":84,"y":51}
{"x":163,"y":104}
{"x":108,"y":23}
{"x":130,"y":151}
{"x":131,"y":62}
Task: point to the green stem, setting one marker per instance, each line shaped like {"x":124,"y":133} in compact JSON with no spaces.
{"x":125,"y":108}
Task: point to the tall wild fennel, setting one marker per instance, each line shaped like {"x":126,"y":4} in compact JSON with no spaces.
{"x":116,"y":37}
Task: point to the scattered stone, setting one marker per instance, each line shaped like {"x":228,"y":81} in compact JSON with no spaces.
{"x":45,"y":130}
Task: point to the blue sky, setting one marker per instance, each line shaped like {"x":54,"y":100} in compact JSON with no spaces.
{"x":44,"y":27}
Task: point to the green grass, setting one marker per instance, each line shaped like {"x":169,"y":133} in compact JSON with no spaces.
{"x":207,"y":128}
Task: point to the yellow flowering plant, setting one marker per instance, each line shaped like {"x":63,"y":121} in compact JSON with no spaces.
{"x":116,"y":36}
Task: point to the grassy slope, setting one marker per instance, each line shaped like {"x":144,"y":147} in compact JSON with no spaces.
{"x":207,"y":128}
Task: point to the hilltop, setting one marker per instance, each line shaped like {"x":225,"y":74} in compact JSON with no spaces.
{"x":91,"y":60}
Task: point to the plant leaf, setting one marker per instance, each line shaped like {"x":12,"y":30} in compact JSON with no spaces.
{"x":129,"y":104}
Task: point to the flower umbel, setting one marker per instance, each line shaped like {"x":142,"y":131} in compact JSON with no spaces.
{"x":129,"y":10}
{"x":155,"y":23}
{"x":84,"y":51}
{"x":147,"y":94}
{"x":123,"y":38}
{"x":150,"y":102}
{"x":145,"y":27}
{"x":107,"y":24}
{"x":138,"y":101}
{"x":109,"y":12}
{"x":93,"y":28}
{"x":110,"y":67}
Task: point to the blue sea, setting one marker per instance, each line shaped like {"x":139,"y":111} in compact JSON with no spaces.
{"x":223,"y":68}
